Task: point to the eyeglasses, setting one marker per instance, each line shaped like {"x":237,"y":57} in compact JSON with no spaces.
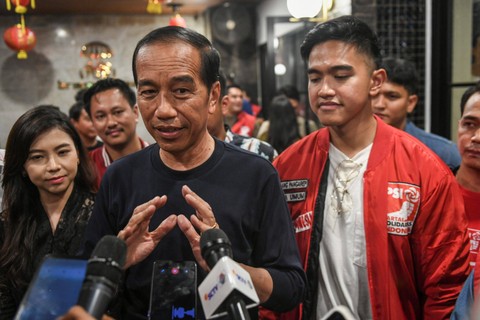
{"x":345,"y":173}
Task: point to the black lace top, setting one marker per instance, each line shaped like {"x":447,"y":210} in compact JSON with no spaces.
{"x":65,"y":242}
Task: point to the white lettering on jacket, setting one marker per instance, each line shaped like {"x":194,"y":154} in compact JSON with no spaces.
{"x":303,"y":222}
{"x":295,"y":184}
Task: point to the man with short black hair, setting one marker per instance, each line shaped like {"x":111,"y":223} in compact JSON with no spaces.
{"x":238,"y":120}
{"x":379,"y":218}
{"x":398,"y":98}
{"x":468,"y":174}
{"x":111,"y":104}
{"x":468,"y":178}
{"x":160,"y":199}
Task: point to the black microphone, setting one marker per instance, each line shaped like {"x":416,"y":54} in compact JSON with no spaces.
{"x":228,"y":285}
{"x":104,"y":274}
{"x":215,"y":244}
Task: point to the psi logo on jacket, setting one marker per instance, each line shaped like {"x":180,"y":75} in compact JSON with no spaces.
{"x":403,"y":203}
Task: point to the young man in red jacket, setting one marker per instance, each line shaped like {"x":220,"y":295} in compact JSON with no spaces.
{"x":379,"y":218}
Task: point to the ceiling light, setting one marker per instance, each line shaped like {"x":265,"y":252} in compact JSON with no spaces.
{"x":280,"y":69}
{"x":304,"y":8}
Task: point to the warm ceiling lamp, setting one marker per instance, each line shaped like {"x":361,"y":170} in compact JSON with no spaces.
{"x":96,"y":50}
{"x":307,"y":9}
{"x":97,"y":54}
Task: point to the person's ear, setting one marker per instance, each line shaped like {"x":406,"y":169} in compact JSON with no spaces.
{"x":412,"y":103}
{"x":214,"y":96}
{"x":378,"y":77}
{"x":224,"y":102}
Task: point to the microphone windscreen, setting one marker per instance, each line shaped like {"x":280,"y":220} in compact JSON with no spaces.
{"x":214,"y":244}
{"x":212,"y":236}
{"x":108,"y":258}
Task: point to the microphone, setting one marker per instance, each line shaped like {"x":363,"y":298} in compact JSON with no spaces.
{"x":228,"y":288}
{"x":104,"y":273}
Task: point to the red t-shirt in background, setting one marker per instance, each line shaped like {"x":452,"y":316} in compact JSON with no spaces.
{"x":245,"y":124}
{"x":472,"y":208}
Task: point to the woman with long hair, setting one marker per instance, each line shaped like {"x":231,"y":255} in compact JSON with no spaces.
{"x":281,"y":129}
{"x":49,"y":185}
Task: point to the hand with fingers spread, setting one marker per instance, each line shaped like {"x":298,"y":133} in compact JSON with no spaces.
{"x":202,"y":220}
{"x":193,"y":238}
{"x":140,"y":241}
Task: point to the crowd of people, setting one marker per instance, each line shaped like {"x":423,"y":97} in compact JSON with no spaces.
{"x":359,"y":208}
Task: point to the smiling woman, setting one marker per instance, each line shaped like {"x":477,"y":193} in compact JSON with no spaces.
{"x":48,"y":183}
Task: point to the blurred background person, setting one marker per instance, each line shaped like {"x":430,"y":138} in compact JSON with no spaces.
{"x":49,"y":186}
{"x":239,"y":121}
{"x":468,"y":174}
{"x":217,"y":128}
{"x":84,"y":126}
{"x":398,"y":98}
{"x":254,"y":109}
{"x":281,"y":129}
{"x":111,"y":104}
{"x":250,"y":107}
{"x":79,"y":94}
{"x":294,"y":96}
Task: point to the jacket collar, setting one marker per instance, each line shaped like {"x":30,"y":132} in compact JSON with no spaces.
{"x":383,"y":137}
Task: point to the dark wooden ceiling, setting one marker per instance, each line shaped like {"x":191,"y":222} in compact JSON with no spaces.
{"x":188,"y":7}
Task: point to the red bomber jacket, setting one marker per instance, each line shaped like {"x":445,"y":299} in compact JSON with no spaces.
{"x":416,"y":264}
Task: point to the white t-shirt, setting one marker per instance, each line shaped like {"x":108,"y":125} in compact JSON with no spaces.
{"x":343,"y":278}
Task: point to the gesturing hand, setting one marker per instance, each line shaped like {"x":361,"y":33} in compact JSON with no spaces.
{"x":140,"y":242}
{"x":198,"y":223}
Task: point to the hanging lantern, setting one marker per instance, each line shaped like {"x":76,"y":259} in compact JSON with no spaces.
{"x":178,"y":21}
{"x":20,"y":39}
{"x":20,"y":5}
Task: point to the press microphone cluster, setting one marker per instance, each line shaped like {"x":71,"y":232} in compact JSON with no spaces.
{"x":104,"y":274}
{"x":228,"y":288}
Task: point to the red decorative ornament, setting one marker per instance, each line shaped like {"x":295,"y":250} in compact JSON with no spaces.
{"x":177,"y":20}
{"x":20,"y":5}
{"x":20,"y":39}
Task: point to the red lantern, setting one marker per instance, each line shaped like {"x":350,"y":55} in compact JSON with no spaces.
{"x":20,"y":39}
{"x":178,"y":21}
{"x":20,"y":5}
